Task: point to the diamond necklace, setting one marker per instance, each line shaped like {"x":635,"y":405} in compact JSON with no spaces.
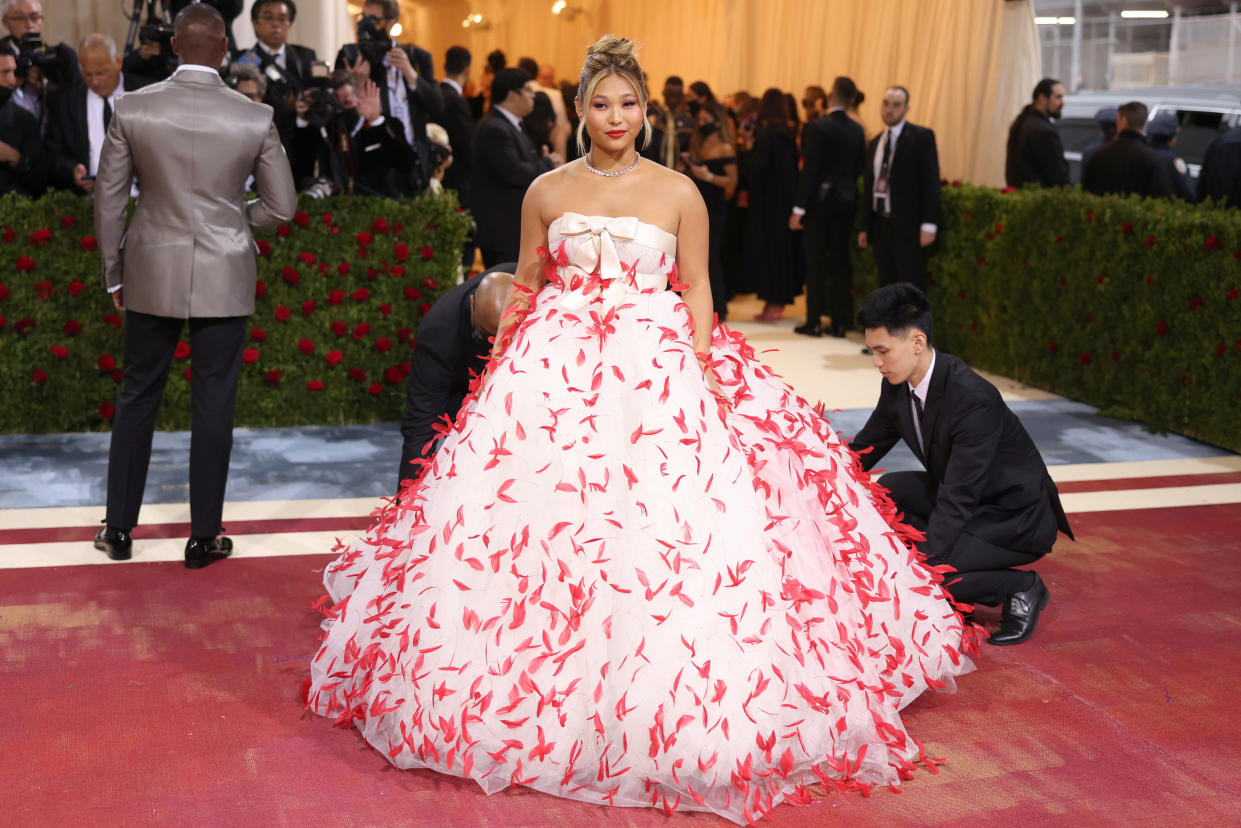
{"x":630,"y":168}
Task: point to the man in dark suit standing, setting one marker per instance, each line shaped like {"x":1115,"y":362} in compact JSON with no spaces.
{"x":1035,"y":152}
{"x":454,"y":344}
{"x":1221,"y":170}
{"x":985,"y":503}
{"x":1126,"y":165}
{"x":505,"y":164}
{"x":900,"y":197}
{"x":286,"y":66}
{"x":458,"y":121}
{"x":187,"y":255}
{"x":78,"y":115}
{"x":834,"y":151}
{"x":23,"y":161}
{"x":405,"y":76}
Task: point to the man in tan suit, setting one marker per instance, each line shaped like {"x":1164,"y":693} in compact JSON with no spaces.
{"x":188,"y":255}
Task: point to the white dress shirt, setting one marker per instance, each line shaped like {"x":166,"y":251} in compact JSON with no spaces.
{"x":512,"y":119}
{"x":892,"y":134}
{"x":455,"y":86}
{"x":94,"y":122}
{"x":920,"y":390}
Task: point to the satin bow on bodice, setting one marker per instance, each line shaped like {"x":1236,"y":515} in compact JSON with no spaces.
{"x":600,"y":274}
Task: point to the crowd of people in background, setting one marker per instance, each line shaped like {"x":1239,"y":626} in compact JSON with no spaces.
{"x":783,"y":179}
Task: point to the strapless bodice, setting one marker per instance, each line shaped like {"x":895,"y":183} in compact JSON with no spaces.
{"x":606,"y":257}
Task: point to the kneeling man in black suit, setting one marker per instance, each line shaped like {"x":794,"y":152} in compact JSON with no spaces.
{"x":986,"y":502}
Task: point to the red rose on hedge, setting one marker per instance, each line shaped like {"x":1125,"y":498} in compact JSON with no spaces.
{"x":258,"y":335}
{"x":272,"y":378}
{"x":323,"y":268}
{"x":282,"y":314}
{"x":24,"y":326}
{"x":308,"y":307}
{"x":301,"y":218}
{"x":383,"y":344}
{"x":401,"y":251}
{"x":283,"y":231}
{"x":118,"y":375}
{"x":4,"y":293}
{"x":343,"y":268}
{"x":427,"y":253}
{"x":264,"y":247}
{"x":340,"y":328}
{"x":385,"y":309}
{"x":333,"y":358}
{"x":425,"y":308}
{"x":412,"y":294}
{"x":431,"y":284}
{"x":75,"y":287}
{"x":380,"y":225}
{"x":72,"y":327}
{"x":374,"y":389}
{"x":1127,"y":228}
{"x":398,"y":271}
{"x":1195,"y":303}
{"x":1233,"y":295}
{"x":1150,"y":277}
{"x":38,"y":377}
{"x":1221,"y":349}
{"x":67,"y":222}
{"x":8,"y":235}
{"x":89,"y":244}
{"x":1115,"y":356}
{"x":1162,"y":328}
{"x":1085,"y":359}
{"x":357,"y":375}
{"x":107,"y":362}
{"x":182,"y":351}
{"x":250,"y":356}
{"x":335,"y":297}
{"x":1213,"y":243}
{"x":44,"y":289}
{"x":305,"y":346}
{"x":314,"y":385}
{"x":1150,"y":241}
{"x":372,"y":274}
{"x":1052,"y":347}
{"x":361,"y":252}
{"x":40,"y":237}
{"x":361,"y":330}
{"x":404,"y":334}
{"x":24,"y":263}
{"x":106,"y":410}
{"x":114,"y":320}
{"x":361,"y":295}
{"x":59,"y":351}
{"x":1184,"y":379}
{"x":960,"y":294}
{"x":1059,"y":238}
{"x":327,"y":219}
{"x":307,"y":258}
{"x":364,"y":238}
{"x":260,"y":288}
{"x":290,"y":276}
{"x":393,"y":374}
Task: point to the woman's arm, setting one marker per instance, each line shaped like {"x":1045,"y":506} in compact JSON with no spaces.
{"x":529,"y":278}
{"x":692,"y":248}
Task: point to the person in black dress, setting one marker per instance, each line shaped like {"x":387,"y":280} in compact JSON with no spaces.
{"x":712,"y":163}
{"x":771,"y":168}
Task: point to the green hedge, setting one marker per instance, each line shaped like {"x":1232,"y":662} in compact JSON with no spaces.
{"x":1129,"y":304}
{"x":341,"y":292}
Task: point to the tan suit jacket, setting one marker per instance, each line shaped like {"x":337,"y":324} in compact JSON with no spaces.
{"x":192,"y":142}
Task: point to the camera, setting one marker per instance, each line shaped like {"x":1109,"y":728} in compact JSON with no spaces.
{"x":33,"y":52}
{"x":373,"y":42}
{"x":155,"y":31}
{"x":319,"y":95}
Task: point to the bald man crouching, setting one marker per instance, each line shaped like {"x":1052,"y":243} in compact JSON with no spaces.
{"x":453,"y":345}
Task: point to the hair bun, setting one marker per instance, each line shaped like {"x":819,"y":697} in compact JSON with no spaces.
{"x":861,"y":96}
{"x":611,"y":46}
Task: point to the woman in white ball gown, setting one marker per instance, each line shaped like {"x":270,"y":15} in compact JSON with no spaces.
{"x":640,"y":570}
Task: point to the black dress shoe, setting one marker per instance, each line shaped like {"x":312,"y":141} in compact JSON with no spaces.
{"x":809,"y":329}
{"x":837,"y":331}
{"x":200,"y":552}
{"x":1021,"y":612}
{"x":116,"y":542}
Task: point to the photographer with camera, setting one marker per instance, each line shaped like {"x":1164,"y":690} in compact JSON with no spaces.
{"x":23,"y":162}
{"x":78,"y":115}
{"x":357,"y":149}
{"x":37,"y":63}
{"x":286,"y":66}
{"x":405,"y":76}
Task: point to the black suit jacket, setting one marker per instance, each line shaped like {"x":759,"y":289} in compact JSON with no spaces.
{"x":281,"y":95}
{"x":68,"y":135}
{"x":505,"y":164}
{"x":448,"y":354}
{"x":426,"y":102}
{"x":1221,"y":169}
{"x":1126,"y":165}
{"x":20,"y":130}
{"x":978,"y":452}
{"x":1035,"y":152}
{"x":913,"y":181}
{"x":834,"y":152}
{"x":458,"y":122}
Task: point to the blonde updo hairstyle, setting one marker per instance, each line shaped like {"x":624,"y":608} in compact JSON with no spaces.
{"x":610,"y":55}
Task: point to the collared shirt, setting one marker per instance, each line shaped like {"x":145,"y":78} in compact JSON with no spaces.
{"x":94,"y":122}
{"x":512,"y":119}
{"x":196,"y":67}
{"x":398,"y":101}
{"x":455,"y":86}
{"x":893,"y":134}
{"x":278,"y":57}
{"x":920,"y":390}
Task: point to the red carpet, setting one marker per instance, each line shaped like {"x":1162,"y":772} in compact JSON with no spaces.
{"x":147,"y":694}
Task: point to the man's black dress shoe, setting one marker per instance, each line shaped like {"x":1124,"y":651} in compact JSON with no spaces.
{"x":809,"y":329}
{"x":837,"y":331}
{"x":1021,"y":612}
{"x":200,"y":552}
{"x":116,"y":542}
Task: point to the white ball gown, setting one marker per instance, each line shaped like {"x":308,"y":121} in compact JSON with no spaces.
{"x":608,"y":586}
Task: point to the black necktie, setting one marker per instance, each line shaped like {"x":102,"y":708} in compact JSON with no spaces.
{"x":107,"y":115}
{"x":884,"y":165}
{"x":918,"y":414}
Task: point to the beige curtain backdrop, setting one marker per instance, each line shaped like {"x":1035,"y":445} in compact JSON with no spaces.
{"x":969,"y":64}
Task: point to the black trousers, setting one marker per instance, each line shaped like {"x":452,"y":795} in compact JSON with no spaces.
{"x":898,"y":256}
{"x":829,"y":273}
{"x":993,"y":542}
{"x":150,"y":342}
